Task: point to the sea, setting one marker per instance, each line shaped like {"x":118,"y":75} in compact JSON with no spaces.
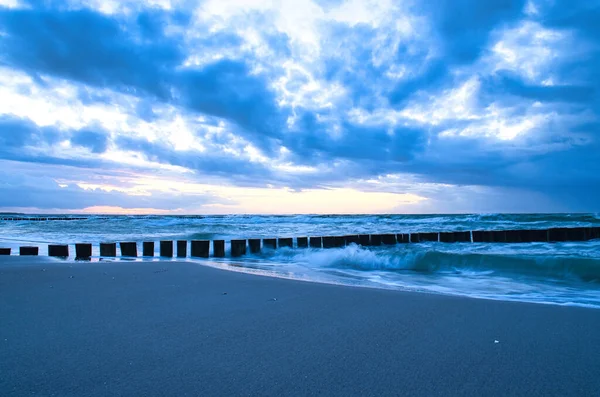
{"x":565,"y":273}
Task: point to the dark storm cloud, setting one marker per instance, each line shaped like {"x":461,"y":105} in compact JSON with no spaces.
{"x":16,"y":134}
{"x":95,"y":141}
{"x":87,"y":47}
{"x":137,"y":58}
{"x":505,"y":83}
{"x":463,"y":26}
{"x":226,"y":89}
{"x":318,"y":143}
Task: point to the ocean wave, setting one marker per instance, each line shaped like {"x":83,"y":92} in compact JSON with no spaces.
{"x":252,"y":226}
{"x":568,"y":264}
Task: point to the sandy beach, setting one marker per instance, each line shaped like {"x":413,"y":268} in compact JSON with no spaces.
{"x":180,"y":328}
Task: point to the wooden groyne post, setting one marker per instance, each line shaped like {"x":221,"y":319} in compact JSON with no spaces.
{"x":302,"y":242}
{"x":148,"y":248}
{"x":238,"y":248}
{"x":166,"y":249}
{"x":200,"y":248}
{"x":60,"y":251}
{"x":270,"y":243}
{"x":108,"y":250}
{"x":128,"y":249}
{"x":219,"y":248}
{"x":316,"y":242}
{"x":285,"y":242}
{"x":254,"y":244}
{"x":181,"y":248}
{"x":28,"y":251}
{"x":83,"y":251}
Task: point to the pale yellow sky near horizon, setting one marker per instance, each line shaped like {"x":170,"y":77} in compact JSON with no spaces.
{"x":273,"y":201}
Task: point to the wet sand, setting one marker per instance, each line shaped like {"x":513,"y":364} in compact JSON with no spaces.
{"x":179,"y":328}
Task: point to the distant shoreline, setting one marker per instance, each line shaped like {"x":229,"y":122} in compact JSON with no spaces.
{"x":432,"y":214}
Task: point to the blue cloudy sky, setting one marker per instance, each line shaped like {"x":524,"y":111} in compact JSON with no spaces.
{"x":299,"y":106}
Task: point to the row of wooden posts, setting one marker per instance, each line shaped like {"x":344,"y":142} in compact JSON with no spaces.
{"x":201,"y":248}
{"x":71,"y":218}
{"x":40,"y":219}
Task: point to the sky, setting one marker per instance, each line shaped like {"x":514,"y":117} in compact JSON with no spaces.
{"x":312,"y":106}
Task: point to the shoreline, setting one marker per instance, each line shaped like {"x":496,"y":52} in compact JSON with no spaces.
{"x":238,"y":266}
{"x":171,"y":328}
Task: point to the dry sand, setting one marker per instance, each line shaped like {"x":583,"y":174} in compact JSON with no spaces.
{"x":179,"y":328}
